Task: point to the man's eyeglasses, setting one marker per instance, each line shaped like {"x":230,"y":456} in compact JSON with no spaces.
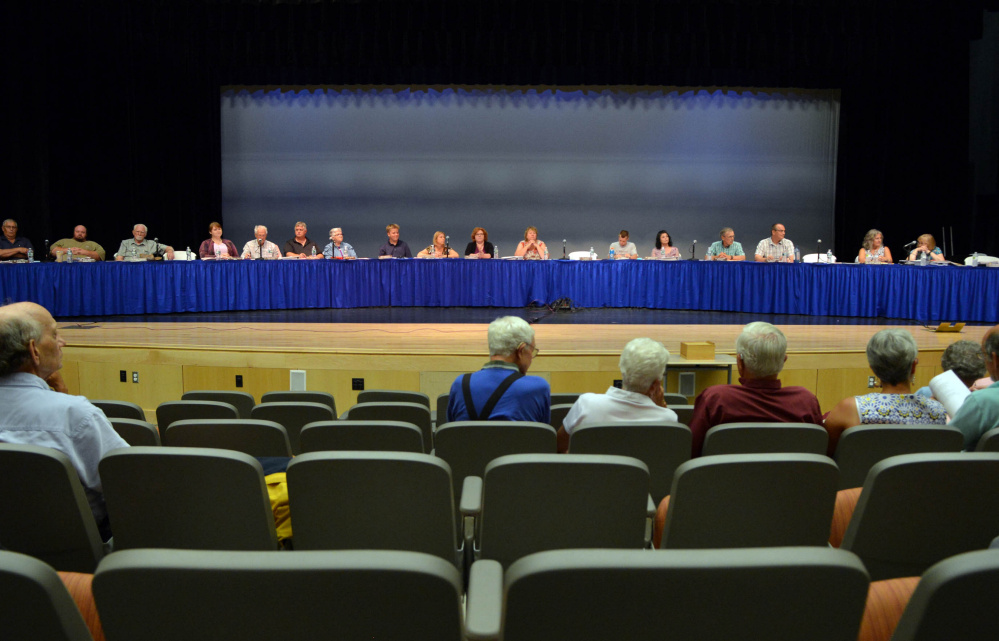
{"x":534,"y":350}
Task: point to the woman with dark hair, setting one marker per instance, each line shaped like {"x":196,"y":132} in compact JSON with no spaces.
{"x":216,"y":246}
{"x":664,"y":248}
{"x":480,"y":247}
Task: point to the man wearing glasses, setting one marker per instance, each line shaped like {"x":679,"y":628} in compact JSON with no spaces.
{"x":775,"y":249}
{"x":12,"y":246}
{"x":501,"y":390}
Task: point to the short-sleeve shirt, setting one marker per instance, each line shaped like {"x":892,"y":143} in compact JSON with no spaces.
{"x":528,"y":399}
{"x":268,"y":251}
{"x":72,"y":243}
{"x":399,"y":250}
{"x":294,"y":247}
{"x":19,"y":241}
{"x":343,"y":251}
{"x":718,"y":247}
{"x":775,"y":251}
{"x":146,"y":247}
{"x":629,"y":249}
{"x":615,"y":406}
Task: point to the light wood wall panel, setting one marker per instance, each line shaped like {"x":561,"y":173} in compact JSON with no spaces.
{"x":71,"y":376}
{"x":158,"y":383}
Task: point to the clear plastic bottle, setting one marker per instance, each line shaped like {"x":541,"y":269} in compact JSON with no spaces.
{"x":593,"y":254}
{"x":31,"y":255}
{"x":496,"y":253}
{"x":612,"y":253}
{"x":313,"y":251}
{"x":797,"y":255}
{"x":829,"y":256}
{"x":69,"y":255}
{"x":190,"y":256}
{"x":546,"y":252}
{"x":974,"y":259}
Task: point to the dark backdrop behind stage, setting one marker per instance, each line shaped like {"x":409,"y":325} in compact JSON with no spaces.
{"x":115,"y":114}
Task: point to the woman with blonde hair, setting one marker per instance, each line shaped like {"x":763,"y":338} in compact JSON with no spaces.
{"x":437,"y":248}
{"x":531,"y":248}
{"x":873,"y":249}
{"x":927,"y":245}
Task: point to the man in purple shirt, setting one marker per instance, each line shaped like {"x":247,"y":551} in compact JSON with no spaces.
{"x":394,"y":248}
{"x":761,"y":351}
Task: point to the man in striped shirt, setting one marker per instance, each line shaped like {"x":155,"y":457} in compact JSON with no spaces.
{"x":775,"y":249}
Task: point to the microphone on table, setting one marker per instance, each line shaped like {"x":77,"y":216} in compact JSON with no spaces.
{"x":563,"y":249}
{"x":693,"y":250}
{"x":912,"y":244}
{"x":45,"y":256}
{"x":447,"y":245}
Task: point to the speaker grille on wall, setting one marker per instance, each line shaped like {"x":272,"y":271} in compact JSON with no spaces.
{"x":687,"y":383}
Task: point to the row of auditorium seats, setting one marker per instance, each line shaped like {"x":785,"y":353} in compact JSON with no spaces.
{"x":583,"y":595}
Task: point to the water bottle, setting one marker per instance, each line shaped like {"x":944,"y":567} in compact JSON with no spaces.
{"x":923,"y":257}
{"x":313,"y":251}
{"x":546,"y":252}
{"x":496,"y":253}
{"x":31,"y":255}
{"x":974,"y":259}
{"x":593,"y":254}
{"x":829,"y":257}
{"x":190,"y":256}
{"x":797,"y":255}
{"x":612,"y":253}
{"x":69,"y":255}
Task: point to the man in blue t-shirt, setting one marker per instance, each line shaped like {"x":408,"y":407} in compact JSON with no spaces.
{"x":501,"y":391}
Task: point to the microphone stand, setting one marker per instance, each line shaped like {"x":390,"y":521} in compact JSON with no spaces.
{"x":693,"y":250}
{"x":563,"y":249}
{"x":447,"y":246}
{"x":260,"y":249}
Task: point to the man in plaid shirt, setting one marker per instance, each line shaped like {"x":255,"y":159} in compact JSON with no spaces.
{"x":776,"y":248}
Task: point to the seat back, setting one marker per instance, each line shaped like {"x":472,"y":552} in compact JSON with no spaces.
{"x":442,"y":401}
{"x":672,"y":399}
{"x":170,"y":411}
{"x":34,"y":603}
{"x":136,"y":432}
{"x":251,"y":436}
{"x":120,"y":409}
{"x":535,"y":502}
{"x":751,"y":500}
{"x":763,"y":438}
{"x":953,"y":599}
{"x":989,"y":442}
{"x":558,"y":413}
{"x":358,"y":500}
{"x":564,"y":399}
{"x":301,"y":397}
{"x":380,"y":436}
{"x":234,"y":596}
{"x":683,"y":413}
{"x":416,"y":413}
{"x":860,"y":447}
{"x":708,"y":595}
{"x":393,"y":396}
{"x":242,"y":401}
{"x":469,"y":446}
{"x":293,"y":416}
{"x":45,"y":512}
{"x":918,"y":509}
{"x":661,"y":446}
{"x":188,"y":498}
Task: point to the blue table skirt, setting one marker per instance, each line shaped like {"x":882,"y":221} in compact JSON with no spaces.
{"x":925,"y":294}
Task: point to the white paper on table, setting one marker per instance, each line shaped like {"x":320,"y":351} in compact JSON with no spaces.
{"x":949,"y":390}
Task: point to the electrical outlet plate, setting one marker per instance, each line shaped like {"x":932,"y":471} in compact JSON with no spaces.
{"x":870,"y":381}
{"x":135,"y":377}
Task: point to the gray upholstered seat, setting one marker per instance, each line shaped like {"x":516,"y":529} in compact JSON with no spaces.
{"x":558,"y":414}
{"x":34,"y":603}
{"x":989,"y":442}
{"x":751,"y":500}
{"x":251,"y":436}
{"x":301,"y":397}
{"x":860,"y":447}
{"x":393,"y":396}
{"x":683,"y":413}
{"x":170,"y":411}
{"x":136,"y":432}
{"x":242,"y":401}
{"x":416,"y":413}
{"x":564,"y":399}
{"x":293,"y":416}
{"x":381,"y":436}
{"x":187,"y":498}
{"x":763,"y":438}
{"x":120,"y":409}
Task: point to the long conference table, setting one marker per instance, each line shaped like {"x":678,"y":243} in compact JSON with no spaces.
{"x":927,"y":294}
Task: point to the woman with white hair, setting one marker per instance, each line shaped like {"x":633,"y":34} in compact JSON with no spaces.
{"x":893,"y":357}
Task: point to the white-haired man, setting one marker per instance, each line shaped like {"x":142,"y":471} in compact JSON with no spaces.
{"x":260,"y":247}
{"x":35,"y":414}
{"x":761,"y":350}
{"x":643,"y":372}
{"x":138,"y":246}
{"x":501,"y":390}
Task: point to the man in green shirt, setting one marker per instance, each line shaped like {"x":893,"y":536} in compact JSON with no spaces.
{"x":79,"y":244}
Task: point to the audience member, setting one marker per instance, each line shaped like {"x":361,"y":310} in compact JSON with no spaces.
{"x":726,"y":248}
{"x":337,"y":248}
{"x":138,"y":247}
{"x":260,"y":247}
{"x":893,"y":357}
{"x":79,"y":244}
{"x":776,"y":248}
{"x":643,"y":378}
{"x":980,"y":411}
{"x":501,"y":390}
{"x":12,"y":246}
{"x":624,"y":248}
{"x":761,"y":350}
{"x":394,"y":248}
{"x":967,"y":360}
{"x":36,"y":414}
{"x":216,"y":246}
{"x":300,"y":246}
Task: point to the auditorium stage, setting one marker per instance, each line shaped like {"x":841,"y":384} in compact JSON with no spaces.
{"x":177,"y":353}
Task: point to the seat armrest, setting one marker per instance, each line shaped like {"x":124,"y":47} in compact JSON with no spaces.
{"x":471,"y":496}
{"x":650,"y":508}
{"x":484,"y":604}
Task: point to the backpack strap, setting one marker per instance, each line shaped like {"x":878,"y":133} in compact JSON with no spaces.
{"x":493,"y":400}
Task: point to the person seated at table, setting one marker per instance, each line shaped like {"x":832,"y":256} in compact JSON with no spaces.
{"x":79,"y":244}
{"x":726,"y":248}
{"x":664,"y":246}
{"x":300,"y":246}
{"x":926,"y":245}
{"x":775,"y":249}
{"x":216,"y":246}
{"x":12,"y":246}
{"x":624,"y":248}
{"x":892,"y":356}
{"x":337,"y":248}
{"x":480,"y":247}
{"x":394,"y":248}
{"x":873,"y":249}
{"x":260,"y":247}
{"x":138,"y":247}
{"x":531,"y":248}
{"x":438,"y":249}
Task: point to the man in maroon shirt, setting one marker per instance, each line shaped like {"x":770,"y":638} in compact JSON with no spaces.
{"x":761,"y":351}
